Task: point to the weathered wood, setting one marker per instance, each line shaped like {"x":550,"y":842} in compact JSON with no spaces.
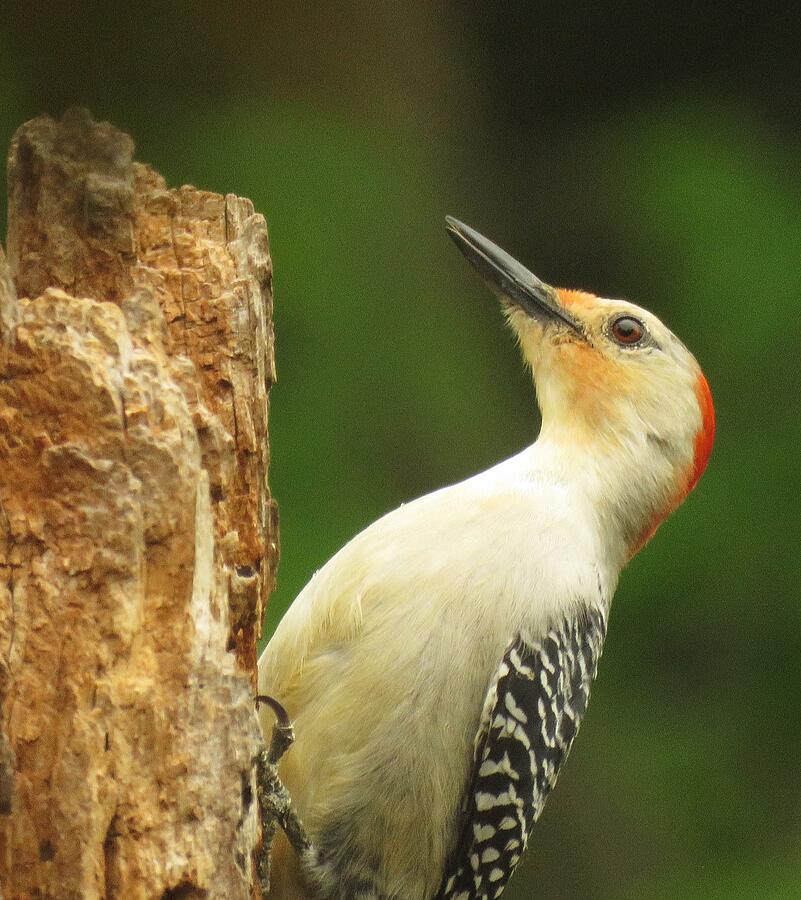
{"x":138,"y":540}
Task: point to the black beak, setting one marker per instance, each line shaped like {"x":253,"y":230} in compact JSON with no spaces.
{"x":506,"y":277}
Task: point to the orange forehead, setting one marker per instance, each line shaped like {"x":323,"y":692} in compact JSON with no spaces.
{"x":576,"y":299}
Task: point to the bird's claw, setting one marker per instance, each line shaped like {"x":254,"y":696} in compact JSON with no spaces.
{"x":283,"y":735}
{"x":275,"y":804}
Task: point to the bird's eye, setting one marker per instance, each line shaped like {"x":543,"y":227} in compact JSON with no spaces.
{"x":627,"y":330}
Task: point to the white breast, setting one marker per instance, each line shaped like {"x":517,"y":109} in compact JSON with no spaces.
{"x":384,"y":659}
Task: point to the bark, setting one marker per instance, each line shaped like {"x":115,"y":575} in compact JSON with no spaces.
{"x":138,"y":540}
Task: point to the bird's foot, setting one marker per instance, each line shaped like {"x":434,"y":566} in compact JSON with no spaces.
{"x":275,"y":804}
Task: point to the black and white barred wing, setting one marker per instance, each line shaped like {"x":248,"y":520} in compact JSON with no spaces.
{"x":531,"y":714}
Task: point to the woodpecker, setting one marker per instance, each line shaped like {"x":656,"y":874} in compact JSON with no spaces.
{"x":438,"y":667}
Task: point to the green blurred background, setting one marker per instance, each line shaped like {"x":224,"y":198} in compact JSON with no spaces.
{"x":650,"y":151}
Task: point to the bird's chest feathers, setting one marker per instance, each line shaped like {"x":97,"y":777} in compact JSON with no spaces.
{"x":483,"y":566}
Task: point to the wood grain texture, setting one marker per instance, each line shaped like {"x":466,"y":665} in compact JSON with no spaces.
{"x":138,"y":539}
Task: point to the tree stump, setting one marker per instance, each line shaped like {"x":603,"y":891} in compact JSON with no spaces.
{"x":138,"y":540}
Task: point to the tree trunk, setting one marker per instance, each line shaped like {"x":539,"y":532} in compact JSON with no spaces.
{"x":138,"y":540}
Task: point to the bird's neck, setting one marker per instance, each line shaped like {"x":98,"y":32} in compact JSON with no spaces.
{"x":624,"y":490}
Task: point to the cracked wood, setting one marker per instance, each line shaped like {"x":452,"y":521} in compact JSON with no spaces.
{"x":138,"y":539}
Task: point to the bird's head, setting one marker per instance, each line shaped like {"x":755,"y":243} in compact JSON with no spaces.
{"x":614,"y":385}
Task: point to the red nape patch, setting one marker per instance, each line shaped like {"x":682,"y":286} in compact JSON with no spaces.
{"x":703,"y":448}
{"x":706,"y":434}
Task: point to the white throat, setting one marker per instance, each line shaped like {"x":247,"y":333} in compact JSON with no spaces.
{"x":617,"y":491}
